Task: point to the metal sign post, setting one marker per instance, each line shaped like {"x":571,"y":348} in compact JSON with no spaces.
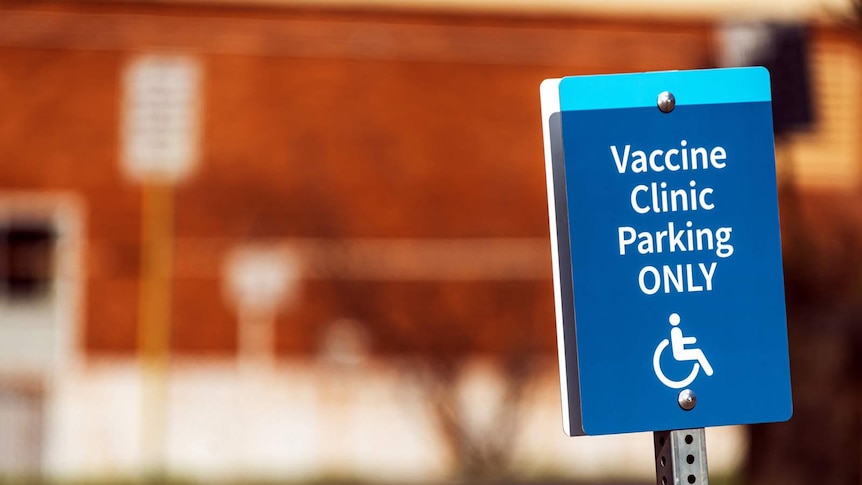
{"x":680,"y":457}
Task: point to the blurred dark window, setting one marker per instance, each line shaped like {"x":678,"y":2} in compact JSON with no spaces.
{"x":788,"y":65}
{"x":26,"y":260}
{"x":782,"y":48}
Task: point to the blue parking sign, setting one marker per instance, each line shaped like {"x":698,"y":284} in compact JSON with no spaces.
{"x":666,"y":250}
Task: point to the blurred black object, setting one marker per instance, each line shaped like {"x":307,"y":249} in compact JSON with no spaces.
{"x":26,"y":259}
{"x":787,"y":62}
{"x":783,"y":50}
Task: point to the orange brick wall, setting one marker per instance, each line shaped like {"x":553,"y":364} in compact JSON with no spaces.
{"x":318,"y":124}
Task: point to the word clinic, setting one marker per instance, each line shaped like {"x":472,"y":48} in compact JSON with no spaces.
{"x":656,"y":198}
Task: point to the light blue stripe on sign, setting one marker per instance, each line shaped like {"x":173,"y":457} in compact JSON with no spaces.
{"x":640,"y":90}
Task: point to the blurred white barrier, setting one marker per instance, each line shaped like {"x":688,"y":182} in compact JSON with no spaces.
{"x":307,"y":419}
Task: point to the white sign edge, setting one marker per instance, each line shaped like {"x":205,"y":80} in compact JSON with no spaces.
{"x":550,"y":99}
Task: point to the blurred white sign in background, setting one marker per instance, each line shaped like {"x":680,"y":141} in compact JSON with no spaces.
{"x":160,"y":117}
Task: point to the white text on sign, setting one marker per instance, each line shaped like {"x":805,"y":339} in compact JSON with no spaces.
{"x":659,"y":198}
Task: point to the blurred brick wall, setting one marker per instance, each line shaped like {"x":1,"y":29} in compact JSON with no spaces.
{"x":318,"y":124}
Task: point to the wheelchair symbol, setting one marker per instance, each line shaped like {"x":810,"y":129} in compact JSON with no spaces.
{"x":678,"y":344}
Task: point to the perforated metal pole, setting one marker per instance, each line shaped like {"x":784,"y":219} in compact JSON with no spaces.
{"x":680,"y":457}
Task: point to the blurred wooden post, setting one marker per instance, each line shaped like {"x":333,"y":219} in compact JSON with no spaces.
{"x":154,"y":318}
